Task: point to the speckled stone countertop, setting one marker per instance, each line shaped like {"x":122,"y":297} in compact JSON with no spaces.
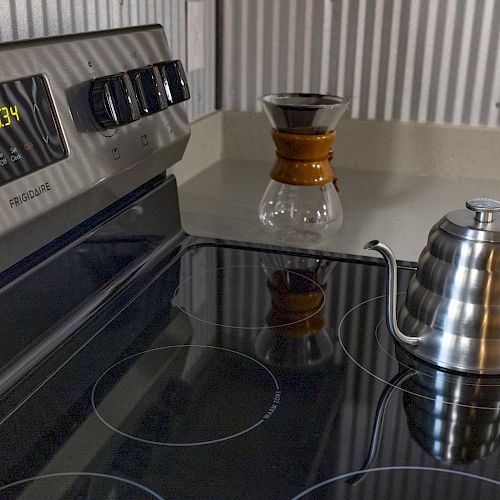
{"x":221,"y":200}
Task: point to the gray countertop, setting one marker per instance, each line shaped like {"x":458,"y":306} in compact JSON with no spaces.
{"x":396,"y":208}
{"x":396,"y":179}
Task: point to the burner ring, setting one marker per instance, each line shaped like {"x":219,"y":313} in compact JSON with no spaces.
{"x":395,"y":468}
{"x":446,"y":375}
{"x":122,"y":480}
{"x":267,"y":414}
{"x":307,"y":314}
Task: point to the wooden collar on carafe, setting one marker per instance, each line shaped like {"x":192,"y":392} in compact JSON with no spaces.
{"x":303,"y":160}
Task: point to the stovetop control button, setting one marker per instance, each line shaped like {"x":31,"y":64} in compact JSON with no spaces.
{"x":174,"y":81}
{"x":149,"y":89}
{"x":113,"y":100}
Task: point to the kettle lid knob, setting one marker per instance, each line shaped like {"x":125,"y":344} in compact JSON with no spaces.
{"x":484,"y":208}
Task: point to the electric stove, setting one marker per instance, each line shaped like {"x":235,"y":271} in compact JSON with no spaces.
{"x":223,"y":370}
{"x":141,"y":362}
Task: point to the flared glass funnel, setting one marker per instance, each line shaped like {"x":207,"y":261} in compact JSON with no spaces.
{"x":304,"y":113}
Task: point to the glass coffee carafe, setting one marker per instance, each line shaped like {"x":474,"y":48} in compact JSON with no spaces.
{"x":301,"y":204}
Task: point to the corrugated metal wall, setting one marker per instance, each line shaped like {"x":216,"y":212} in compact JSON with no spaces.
{"x":422,"y":60}
{"x":35,"y":18}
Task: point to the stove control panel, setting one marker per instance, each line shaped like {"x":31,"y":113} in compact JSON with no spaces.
{"x":84,"y":120}
{"x":123,"y":98}
{"x":30,"y":136}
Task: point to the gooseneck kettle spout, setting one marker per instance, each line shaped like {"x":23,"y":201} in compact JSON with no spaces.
{"x":391,"y":291}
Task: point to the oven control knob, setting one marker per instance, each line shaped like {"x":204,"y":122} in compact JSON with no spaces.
{"x":113,"y":101}
{"x":174,"y":81}
{"x":149,"y":90}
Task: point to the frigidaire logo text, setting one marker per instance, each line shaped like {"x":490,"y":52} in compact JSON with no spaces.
{"x":28,"y":195}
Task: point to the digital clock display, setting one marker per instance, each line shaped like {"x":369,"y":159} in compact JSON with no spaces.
{"x":30,"y":136}
{"x":8,"y":116}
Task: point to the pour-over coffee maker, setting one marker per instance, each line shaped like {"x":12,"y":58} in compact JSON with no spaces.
{"x":301,"y":204}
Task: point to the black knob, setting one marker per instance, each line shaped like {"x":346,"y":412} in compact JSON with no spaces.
{"x":174,"y":81}
{"x":149,"y":90}
{"x":113,"y":101}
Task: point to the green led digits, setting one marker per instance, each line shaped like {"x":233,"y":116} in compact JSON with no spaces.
{"x":7,"y":115}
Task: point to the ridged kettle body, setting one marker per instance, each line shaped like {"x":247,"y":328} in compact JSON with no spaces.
{"x":451,"y":314}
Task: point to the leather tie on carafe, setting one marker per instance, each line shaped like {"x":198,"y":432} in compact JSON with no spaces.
{"x":303,"y":160}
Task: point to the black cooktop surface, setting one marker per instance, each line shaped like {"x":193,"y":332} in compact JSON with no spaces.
{"x":239,"y":373}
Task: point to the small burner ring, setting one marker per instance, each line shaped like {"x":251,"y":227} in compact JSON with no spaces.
{"x":305,"y":299}
{"x":383,"y":377}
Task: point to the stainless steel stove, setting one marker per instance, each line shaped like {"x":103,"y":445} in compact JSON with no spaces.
{"x":140,"y":362}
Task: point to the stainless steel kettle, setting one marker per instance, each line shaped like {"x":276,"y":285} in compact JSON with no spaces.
{"x":451,"y":315}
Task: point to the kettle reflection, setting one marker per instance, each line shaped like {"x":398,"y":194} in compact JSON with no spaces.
{"x":295,"y":336}
{"x":455,"y":418}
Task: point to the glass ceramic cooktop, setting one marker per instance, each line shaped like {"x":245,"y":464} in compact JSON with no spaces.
{"x":237,"y":373}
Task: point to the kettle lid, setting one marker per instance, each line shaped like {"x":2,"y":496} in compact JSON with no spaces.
{"x":480,"y":222}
